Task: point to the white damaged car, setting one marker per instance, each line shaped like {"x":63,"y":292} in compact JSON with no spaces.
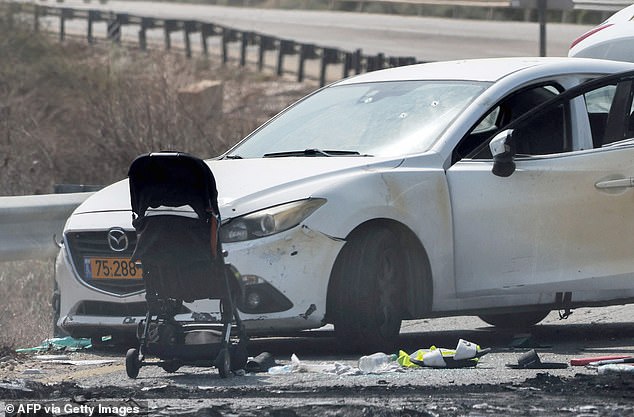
{"x":493,"y":187}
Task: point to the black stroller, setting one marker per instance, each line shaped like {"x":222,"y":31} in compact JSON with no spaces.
{"x":176,"y":217}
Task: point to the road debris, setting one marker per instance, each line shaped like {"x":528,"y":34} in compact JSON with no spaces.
{"x":587,"y":361}
{"x":615,"y":368}
{"x":530,"y":360}
{"x":466,"y":354}
{"x":59,"y":344}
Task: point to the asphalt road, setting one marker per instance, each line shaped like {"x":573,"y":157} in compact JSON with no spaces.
{"x":427,"y":39}
{"x":490,"y":388}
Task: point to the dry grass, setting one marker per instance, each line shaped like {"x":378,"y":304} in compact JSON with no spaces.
{"x":25,"y":303}
{"x":73,"y":113}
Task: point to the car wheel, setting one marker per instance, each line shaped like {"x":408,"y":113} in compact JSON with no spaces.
{"x":132,"y":363}
{"x":171,"y":366}
{"x":368,"y":291}
{"x":515,"y":320}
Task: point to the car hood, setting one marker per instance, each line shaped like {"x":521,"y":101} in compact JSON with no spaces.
{"x":251,"y":184}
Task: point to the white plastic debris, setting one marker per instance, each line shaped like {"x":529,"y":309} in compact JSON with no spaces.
{"x":615,"y":368}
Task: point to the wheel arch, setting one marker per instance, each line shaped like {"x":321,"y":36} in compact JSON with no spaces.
{"x":418,"y":280}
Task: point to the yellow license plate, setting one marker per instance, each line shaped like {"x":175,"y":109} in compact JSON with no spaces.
{"x":112,"y":268}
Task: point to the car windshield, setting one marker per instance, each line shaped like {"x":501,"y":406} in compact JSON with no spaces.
{"x":371,"y":119}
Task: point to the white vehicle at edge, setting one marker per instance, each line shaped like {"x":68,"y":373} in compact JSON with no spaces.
{"x":612,"y":39}
{"x":373,"y":201}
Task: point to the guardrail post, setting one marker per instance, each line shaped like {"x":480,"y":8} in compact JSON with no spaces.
{"x":306,"y":51}
{"x":352,"y":61}
{"x":357,"y":61}
{"x":406,"y":60}
{"x":146,"y":23}
{"x":247,"y":38}
{"x":190,"y":26}
{"x":286,"y":48}
{"x":370,"y":63}
{"x":206,"y":31}
{"x":65,"y":13}
{"x":93,"y":15}
{"x":267,"y":43}
{"x":114,"y":28}
{"x":329,"y":56}
{"x":169,"y":26}
{"x":375,"y":62}
{"x":91,"y":18}
{"x":228,"y":35}
{"x":36,"y":18}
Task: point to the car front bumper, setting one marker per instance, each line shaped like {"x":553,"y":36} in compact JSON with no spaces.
{"x":295,"y":263}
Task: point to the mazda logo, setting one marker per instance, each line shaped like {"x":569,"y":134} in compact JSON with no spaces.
{"x":117,"y":239}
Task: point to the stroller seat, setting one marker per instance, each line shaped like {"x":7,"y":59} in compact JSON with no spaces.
{"x":175,"y":214}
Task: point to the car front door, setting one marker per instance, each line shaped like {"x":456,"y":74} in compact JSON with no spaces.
{"x":563,"y":221}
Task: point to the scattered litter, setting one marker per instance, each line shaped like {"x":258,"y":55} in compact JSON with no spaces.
{"x":261,"y":363}
{"x":377,"y":363}
{"x":629,"y":360}
{"x":15,"y":386}
{"x":52,"y":357}
{"x":59,"y":343}
{"x":467,"y":354}
{"x":615,"y":368}
{"x":280,"y":369}
{"x":343,"y":370}
{"x":325,"y":368}
{"x":85,"y":362}
{"x":32,"y":371}
{"x":297,"y":366}
{"x":286,"y":369}
{"x":156,"y":388}
{"x":530,"y":360}
{"x":587,"y":361}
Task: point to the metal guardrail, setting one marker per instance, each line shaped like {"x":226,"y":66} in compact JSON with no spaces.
{"x":30,"y":225}
{"x":351,"y":61}
{"x":601,"y":5}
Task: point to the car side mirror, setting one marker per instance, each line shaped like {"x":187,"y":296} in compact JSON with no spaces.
{"x":503,"y":151}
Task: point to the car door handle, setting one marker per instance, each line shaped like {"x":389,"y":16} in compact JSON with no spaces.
{"x":620,"y":183}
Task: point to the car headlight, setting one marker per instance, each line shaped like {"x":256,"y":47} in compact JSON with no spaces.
{"x":269,"y":221}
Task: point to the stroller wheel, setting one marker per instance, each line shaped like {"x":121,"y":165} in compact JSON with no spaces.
{"x":223,"y":363}
{"x":171,"y":366}
{"x":132,"y":363}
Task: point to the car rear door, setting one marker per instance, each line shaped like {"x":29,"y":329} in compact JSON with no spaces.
{"x":564,"y":220}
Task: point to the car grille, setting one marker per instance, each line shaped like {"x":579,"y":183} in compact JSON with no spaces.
{"x":83,"y":245}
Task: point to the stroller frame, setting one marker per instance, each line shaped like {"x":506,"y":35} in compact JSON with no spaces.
{"x":176,"y":217}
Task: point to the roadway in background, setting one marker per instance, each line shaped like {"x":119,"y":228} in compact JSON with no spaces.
{"x":426,"y":38}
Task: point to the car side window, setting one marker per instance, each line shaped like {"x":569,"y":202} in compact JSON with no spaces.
{"x":543,"y":134}
{"x":598,"y":105}
{"x":509,"y":109}
{"x":611,"y":113}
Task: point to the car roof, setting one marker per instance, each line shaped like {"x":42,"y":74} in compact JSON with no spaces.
{"x":487,"y":69}
{"x":624,"y":15}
